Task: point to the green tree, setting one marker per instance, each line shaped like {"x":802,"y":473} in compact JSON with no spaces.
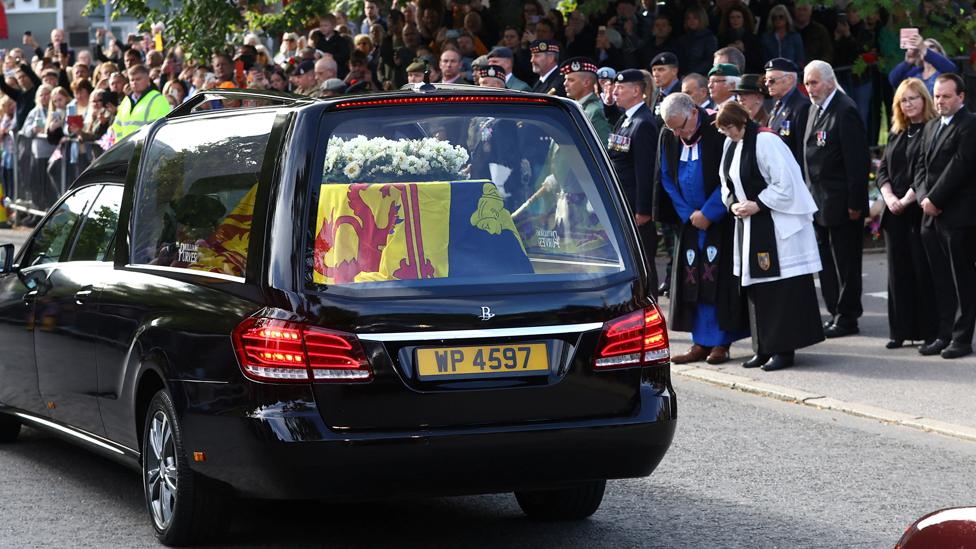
{"x":953,"y":24}
{"x":203,"y":27}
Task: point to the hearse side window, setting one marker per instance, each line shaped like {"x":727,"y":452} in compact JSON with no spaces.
{"x":53,"y":236}
{"x":98,"y":226}
{"x":195,"y":197}
{"x":458,"y":194}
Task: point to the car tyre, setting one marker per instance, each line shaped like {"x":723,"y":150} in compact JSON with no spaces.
{"x":9,"y":428}
{"x":184,"y":507}
{"x":573,"y":503}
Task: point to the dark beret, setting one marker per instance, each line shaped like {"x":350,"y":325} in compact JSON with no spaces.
{"x":665,"y":58}
{"x":781,"y":64}
{"x":629,"y":75}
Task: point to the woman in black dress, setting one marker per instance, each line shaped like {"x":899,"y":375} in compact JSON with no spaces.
{"x":912,"y":313}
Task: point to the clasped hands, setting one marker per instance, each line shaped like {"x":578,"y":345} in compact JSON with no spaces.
{"x":699,"y":221}
{"x":745,"y":208}
{"x":896,"y":205}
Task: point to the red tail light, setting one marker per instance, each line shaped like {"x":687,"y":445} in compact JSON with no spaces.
{"x":637,"y":339}
{"x":276,"y":350}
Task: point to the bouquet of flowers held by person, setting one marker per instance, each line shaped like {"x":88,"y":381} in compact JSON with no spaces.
{"x":381,"y":160}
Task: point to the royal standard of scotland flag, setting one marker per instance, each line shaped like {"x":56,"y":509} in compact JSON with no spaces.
{"x":410,"y":231}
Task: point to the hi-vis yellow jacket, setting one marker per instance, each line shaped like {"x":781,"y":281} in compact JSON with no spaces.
{"x":150,"y":107}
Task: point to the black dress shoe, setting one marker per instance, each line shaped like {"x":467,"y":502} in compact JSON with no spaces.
{"x":664,"y":289}
{"x":933,"y":348}
{"x":778,"y":362}
{"x":840,"y":330}
{"x":956,"y":350}
{"x":828,"y":324}
{"x":756,"y":361}
{"x":894,"y":344}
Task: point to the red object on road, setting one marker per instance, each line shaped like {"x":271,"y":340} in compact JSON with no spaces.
{"x":953,"y":528}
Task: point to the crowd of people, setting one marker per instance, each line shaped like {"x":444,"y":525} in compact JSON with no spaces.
{"x":747,"y":217}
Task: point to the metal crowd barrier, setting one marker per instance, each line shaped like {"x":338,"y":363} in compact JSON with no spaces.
{"x":20,"y":195}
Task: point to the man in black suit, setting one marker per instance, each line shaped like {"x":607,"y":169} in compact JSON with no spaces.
{"x":835,"y":165}
{"x":632,"y":147}
{"x":664,"y":73}
{"x":944,"y":188}
{"x":789,"y":115}
{"x":545,"y":63}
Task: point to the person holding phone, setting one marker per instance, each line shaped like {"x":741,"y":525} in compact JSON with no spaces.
{"x":58,"y":46}
{"x":41,"y":150}
{"x":8,"y":119}
{"x":924,"y":59}
{"x":24,"y":90}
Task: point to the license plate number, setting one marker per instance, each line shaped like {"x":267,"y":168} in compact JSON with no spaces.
{"x":483,"y":361}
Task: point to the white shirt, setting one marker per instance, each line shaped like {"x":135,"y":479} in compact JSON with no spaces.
{"x":826,"y":102}
{"x":542,"y":78}
{"x":946,"y":120}
{"x":630,"y":112}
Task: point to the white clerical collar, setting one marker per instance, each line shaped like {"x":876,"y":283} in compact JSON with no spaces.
{"x":827,"y":101}
{"x":630,"y":112}
{"x":545,"y":76}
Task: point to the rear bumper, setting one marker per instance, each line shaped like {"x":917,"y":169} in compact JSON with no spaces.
{"x":287,"y":452}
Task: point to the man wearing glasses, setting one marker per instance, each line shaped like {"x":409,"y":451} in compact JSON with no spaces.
{"x":788,"y":118}
{"x":722,"y":79}
{"x":704,"y":293}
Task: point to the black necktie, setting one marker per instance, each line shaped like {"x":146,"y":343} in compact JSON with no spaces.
{"x":816,"y":119}
{"x":777,"y":107}
{"x":935,"y":138}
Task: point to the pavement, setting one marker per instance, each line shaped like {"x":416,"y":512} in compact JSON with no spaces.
{"x":854,"y":374}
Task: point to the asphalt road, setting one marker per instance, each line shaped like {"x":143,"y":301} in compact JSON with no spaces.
{"x":744,"y":471}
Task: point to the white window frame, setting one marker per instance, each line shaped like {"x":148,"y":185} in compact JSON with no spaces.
{"x":31,"y":6}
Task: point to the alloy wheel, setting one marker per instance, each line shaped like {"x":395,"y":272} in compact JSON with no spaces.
{"x":161,"y":470}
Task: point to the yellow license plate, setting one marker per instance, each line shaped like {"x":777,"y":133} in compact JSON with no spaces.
{"x":483,"y":361}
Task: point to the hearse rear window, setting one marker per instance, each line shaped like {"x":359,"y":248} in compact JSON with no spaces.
{"x":419,"y":195}
{"x":195,"y":200}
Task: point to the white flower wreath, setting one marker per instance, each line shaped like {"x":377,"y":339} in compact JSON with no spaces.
{"x":381,"y":160}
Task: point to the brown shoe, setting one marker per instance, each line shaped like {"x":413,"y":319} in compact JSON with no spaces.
{"x":719,"y":355}
{"x":696,"y":353}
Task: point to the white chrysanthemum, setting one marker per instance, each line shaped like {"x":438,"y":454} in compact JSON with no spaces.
{"x":352,"y":170}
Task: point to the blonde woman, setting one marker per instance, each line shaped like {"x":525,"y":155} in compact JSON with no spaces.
{"x":102,"y":74}
{"x":924,"y":59}
{"x":912,"y":310}
{"x":781,"y":38}
{"x":33,"y":129}
{"x":8,"y":123}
